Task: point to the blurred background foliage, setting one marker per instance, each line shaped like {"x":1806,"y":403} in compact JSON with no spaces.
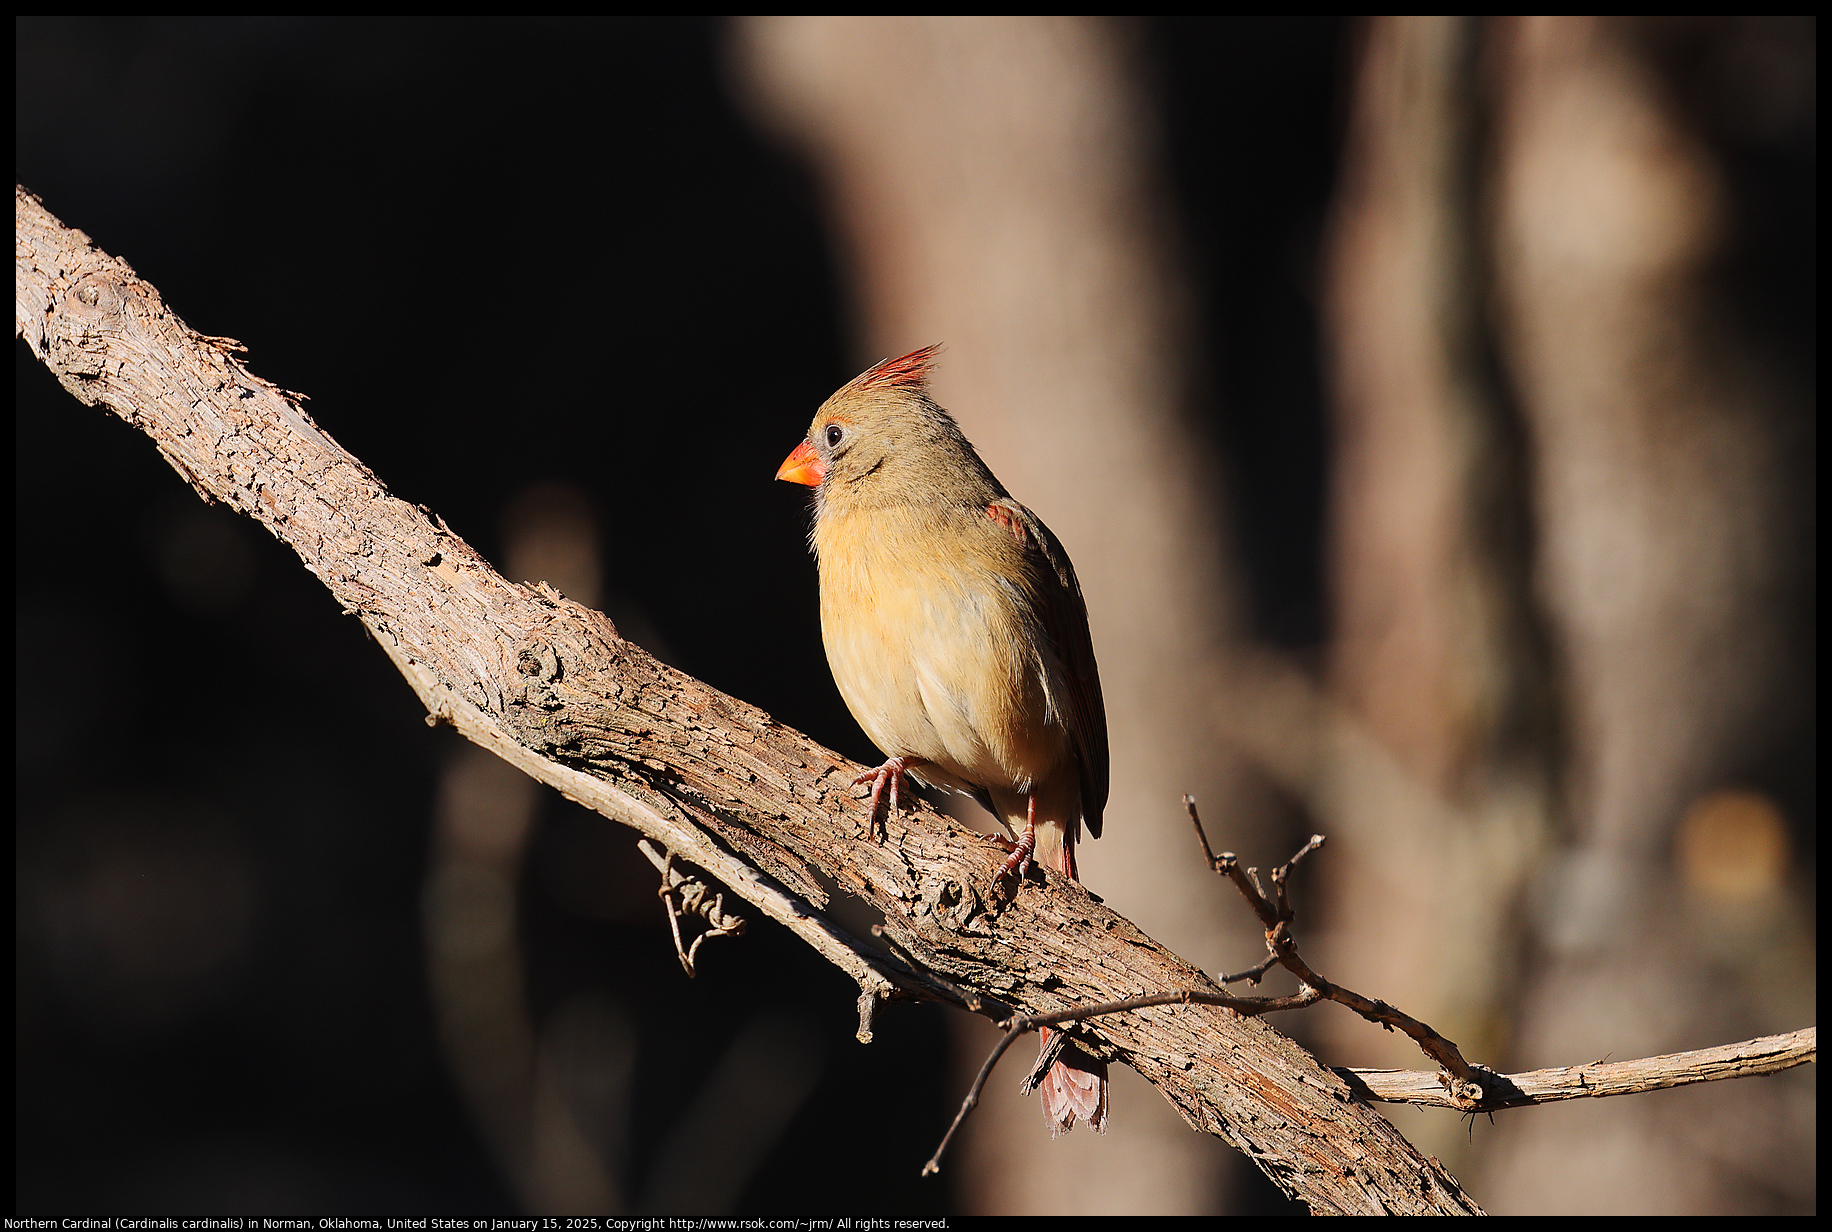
{"x":1428,"y":405}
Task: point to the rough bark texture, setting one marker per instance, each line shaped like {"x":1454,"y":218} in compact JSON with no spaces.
{"x":548,"y":684}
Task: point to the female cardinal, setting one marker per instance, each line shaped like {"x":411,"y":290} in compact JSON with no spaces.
{"x":957,"y":634}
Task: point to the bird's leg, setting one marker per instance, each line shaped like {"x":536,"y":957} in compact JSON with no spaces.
{"x":1019,"y":860}
{"x":890,"y":773}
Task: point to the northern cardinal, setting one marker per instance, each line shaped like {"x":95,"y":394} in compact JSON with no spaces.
{"x":957,"y":634}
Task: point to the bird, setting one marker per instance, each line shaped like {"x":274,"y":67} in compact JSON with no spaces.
{"x":958,"y":636}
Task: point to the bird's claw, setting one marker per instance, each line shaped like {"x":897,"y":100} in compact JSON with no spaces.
{"x":890,"y":773}
{"x":1020,"y":858}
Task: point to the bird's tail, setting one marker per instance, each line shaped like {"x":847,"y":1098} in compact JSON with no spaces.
{"x":1074,"y":1089}
{"x":1076,"y":1086}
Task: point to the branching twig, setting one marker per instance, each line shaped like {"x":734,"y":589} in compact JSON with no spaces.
{"x":1462,"y":1081}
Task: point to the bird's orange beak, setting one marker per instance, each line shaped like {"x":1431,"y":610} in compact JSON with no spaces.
{"x":803,"y":466}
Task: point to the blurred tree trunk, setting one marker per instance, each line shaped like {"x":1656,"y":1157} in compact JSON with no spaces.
{"x":1672,"y":518}
{"x":1573,"y":591}
{"x":1439,"y":652}
{"x":996,"y":182}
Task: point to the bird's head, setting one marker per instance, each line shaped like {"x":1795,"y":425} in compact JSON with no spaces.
{"x":880,"y":439}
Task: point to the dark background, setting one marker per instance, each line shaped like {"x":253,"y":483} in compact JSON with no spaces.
{"x":492,"y":254}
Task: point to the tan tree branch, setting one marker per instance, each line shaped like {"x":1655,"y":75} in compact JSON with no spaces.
{"x":549,"y":686}
{"x":1769,"y":1054}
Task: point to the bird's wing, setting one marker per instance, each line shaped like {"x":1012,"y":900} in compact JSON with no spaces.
{"x":1064,"y":616}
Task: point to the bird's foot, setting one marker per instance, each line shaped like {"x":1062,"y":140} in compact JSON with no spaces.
{"x":1019,"y":860}
{"x":890,"y":774}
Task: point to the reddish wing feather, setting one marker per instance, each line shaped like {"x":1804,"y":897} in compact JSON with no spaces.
{"x":1001,"y":512}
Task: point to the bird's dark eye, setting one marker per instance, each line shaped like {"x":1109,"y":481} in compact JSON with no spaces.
{"x":833,"y":435}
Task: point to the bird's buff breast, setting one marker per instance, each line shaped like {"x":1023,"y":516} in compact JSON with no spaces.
{"x":936,"y":660}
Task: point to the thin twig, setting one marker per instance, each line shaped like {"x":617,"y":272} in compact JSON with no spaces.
{"x":1253,"y":974}
{"x":1208,"y":853}
{"x":973,"y":1097}
{"x":1754,"y":1058}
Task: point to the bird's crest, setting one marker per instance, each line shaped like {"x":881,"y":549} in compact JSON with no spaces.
{"x":905,"y":372}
